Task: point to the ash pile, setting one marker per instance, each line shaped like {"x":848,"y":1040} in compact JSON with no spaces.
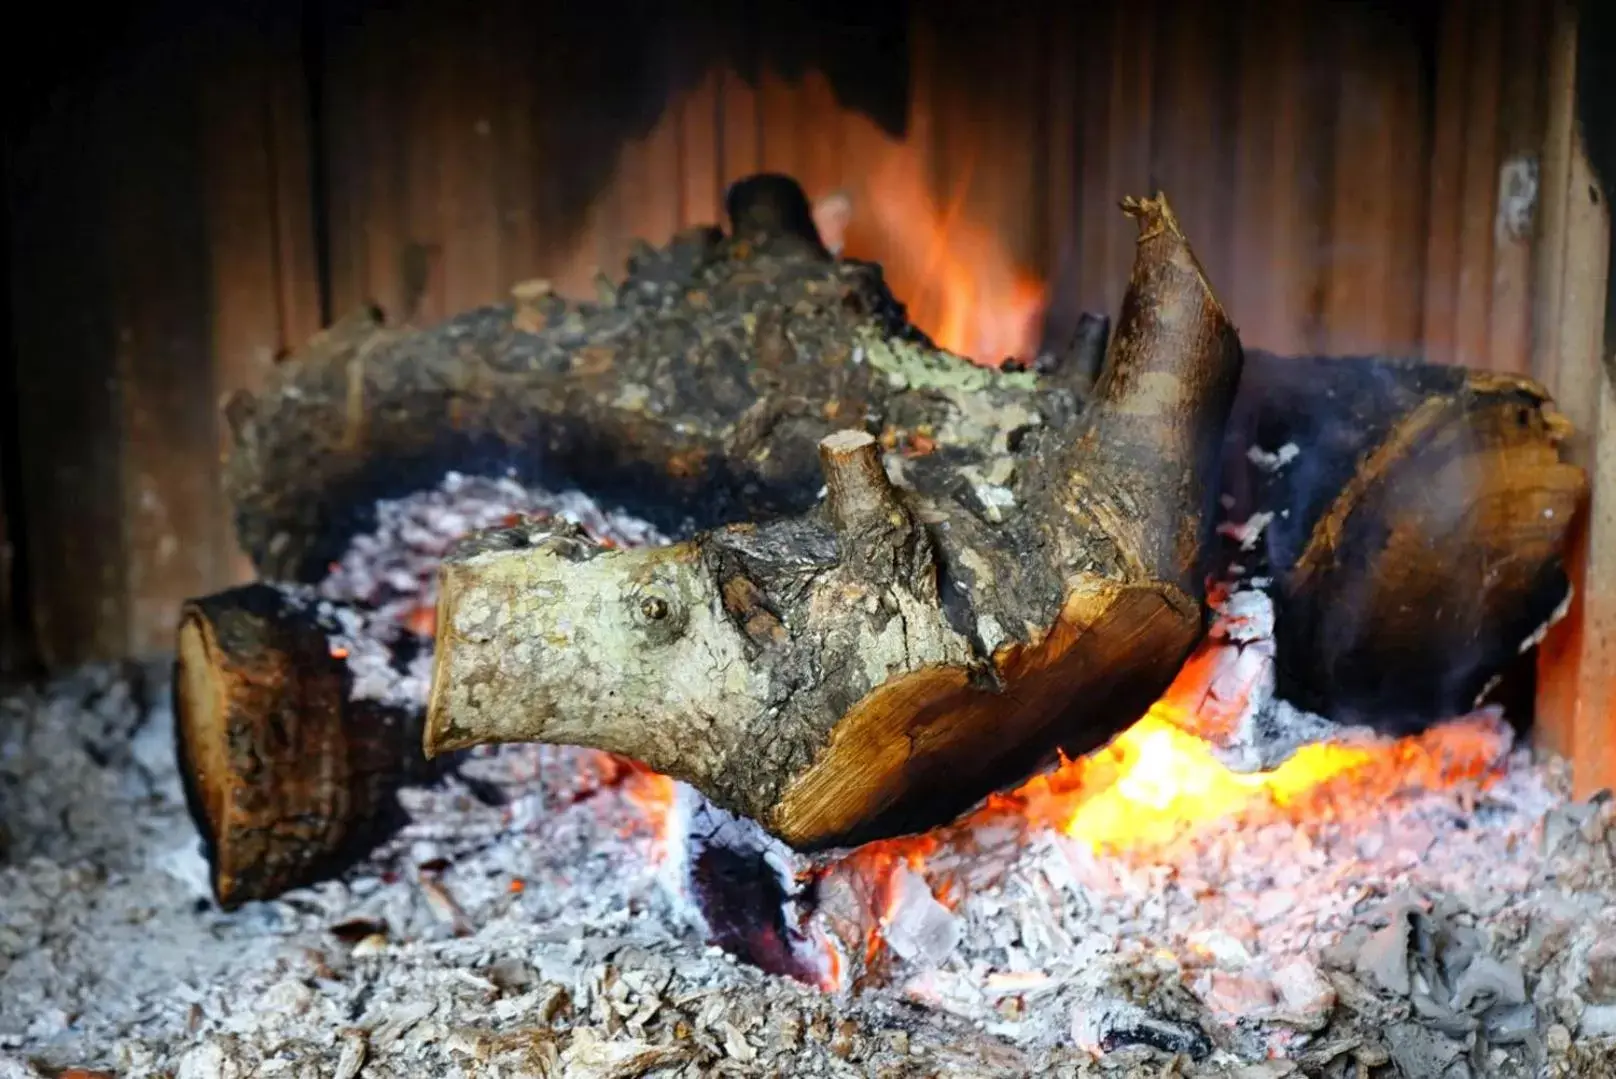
{"x":552,"y":911}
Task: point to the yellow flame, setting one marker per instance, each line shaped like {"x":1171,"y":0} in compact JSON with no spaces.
{"x":1164,"y":779}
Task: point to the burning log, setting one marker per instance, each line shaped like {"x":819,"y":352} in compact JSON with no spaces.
{"x":880,"y":663}
{"x":287,"y":776}
{"x":692,"y":394}
{"x":1415,"y":528}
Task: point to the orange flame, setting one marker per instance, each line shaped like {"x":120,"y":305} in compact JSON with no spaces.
{"x":956,"y":276}
{"x":1156,"y":782}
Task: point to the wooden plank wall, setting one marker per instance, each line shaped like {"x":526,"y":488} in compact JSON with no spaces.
{"x":160,"y":254}
{"x":1339,"y":167}
{"x":1575,"y":357}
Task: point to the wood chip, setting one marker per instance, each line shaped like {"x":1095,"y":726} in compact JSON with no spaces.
{"x":352,"y":1058}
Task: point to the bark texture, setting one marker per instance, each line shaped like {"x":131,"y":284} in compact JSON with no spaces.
{"x":692,"y":394}
{"x":287,"y":777}
{"x":950,"y":571}
{"x":928,"y":633}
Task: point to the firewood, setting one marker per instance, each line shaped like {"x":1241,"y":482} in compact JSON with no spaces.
{"x":1417,"y":539}
{"x":926,"y":635}
{"x":693,"y":394}
{"x":287,"y":777}
{"x":698,"y":393}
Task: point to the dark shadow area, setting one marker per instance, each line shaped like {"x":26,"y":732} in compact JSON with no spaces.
{"x":1596,"y":104}
{"x":613,"y":68}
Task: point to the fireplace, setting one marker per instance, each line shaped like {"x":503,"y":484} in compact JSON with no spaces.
{"x":825,"y":338}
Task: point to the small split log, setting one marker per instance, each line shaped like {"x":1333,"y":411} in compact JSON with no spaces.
{"x":287,"y":777}
{"x":880,"y":663}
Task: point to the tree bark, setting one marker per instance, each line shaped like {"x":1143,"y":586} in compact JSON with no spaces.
{"x":692,"y":394}
{"x":926,"y":635}
{"x":288,"y":778}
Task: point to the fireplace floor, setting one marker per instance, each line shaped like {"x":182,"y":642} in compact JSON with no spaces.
{"x":544,"y":936}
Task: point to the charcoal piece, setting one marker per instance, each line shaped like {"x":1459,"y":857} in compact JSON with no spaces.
{"x":1158,"y":1033}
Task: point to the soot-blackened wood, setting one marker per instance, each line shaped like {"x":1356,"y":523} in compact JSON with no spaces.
{"x":693,"y":393}
{"x":287,"y":776}
{"x":927,"y":634}
{"x":1417,"y":534}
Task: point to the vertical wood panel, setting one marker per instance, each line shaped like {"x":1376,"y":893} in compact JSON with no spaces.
{"x":159,"y":270}
{"x":1477,"y":199}
{"x":780,"y":134}
{"x":1520,"y":135}
{"x":263,"y":287}
{"x":1277,"y":185}
{"x":365,"y":136}
{"x":1063,"y":131}
{"x":699,"y":151}
{"x":1095,"y":197}
{"x":740,"y":128}
{"x":1576,"y":700}
{"x":1376,"y":257}
{"x":1446,"y":199}
{"x":823,"y":150}
{"x":1341,"y":184}
{"x":517,"y":162}
{"x":463,"y":180}
{"x":663,"y":180}
{"x":1191,"y":135}
{"x":1129,"y":107}
{"x":70,"y":422}
{"x":421,"y":76}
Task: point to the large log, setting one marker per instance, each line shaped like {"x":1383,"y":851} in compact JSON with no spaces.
{"x":288,"y":777}
{"x":692,"y":394}
{"x":928,"y":634}
{"x":1416,"y":540}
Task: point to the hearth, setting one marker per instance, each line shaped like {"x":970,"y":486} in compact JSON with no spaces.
{"x":834,"y":646}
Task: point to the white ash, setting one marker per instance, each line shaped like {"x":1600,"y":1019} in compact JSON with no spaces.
{"x":1264,"y":934}
{"x":427,"y":960}
{"x":390,"y":574}
{"x":534,"y":916}
{"x":1247,"y":533}
{"x":1275,"y":460}
{"x":113,"y":957}
{"x":1238,"y":714}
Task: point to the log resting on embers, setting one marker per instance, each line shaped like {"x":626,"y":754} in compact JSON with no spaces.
{"x":1416,"y":538}
{"x":927,"y":634}
{"x":288,"y":776}
{"x":696,"y":393}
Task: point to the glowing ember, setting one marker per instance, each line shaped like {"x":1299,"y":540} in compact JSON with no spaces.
{"x":1155,"y":781}
{"x":653,"y":794}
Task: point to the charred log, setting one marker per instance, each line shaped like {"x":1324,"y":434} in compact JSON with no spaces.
{"x":1416,"y":538}
{"x":287,"y":777}
{"x":809,"y":672}
{"x":1083,"y":358}
{"x":691,"y":394}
